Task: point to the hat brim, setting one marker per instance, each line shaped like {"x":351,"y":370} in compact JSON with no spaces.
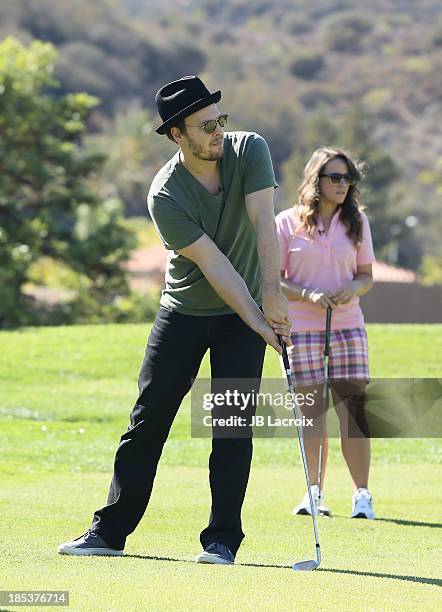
{"x":189,"y":110}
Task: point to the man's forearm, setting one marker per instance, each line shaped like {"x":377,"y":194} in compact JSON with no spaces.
{"x":268,"y":253}
{"x":274,"y":302}
{"x":231,"y":287}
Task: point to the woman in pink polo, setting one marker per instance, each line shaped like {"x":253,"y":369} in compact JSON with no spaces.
{"x":326,"y":260}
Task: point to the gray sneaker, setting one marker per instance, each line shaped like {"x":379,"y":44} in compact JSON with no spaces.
{"x":217,"y":554}
{"x":89,"y":544}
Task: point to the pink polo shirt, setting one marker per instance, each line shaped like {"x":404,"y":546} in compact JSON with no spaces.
{"x":327,"y":261}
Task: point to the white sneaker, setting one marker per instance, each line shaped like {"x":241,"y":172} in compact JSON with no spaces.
{"x":322,"y":508}
{"x":362,"y":505}
{"x":318,"y":501}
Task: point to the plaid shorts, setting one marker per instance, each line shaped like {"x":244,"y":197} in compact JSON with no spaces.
{"x":348,"y":357}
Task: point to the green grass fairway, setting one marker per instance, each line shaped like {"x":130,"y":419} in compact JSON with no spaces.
{"x":65,"y":397}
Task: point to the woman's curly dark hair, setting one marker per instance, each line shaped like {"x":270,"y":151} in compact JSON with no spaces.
{"x":309,"y":193}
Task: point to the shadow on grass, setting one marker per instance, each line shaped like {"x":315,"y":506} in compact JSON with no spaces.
{"x":153,"y":558}
{"x":404,"y":522}
{"x":420,"y":579}
{"x":411,"y":523}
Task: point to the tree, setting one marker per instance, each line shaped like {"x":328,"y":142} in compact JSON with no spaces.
{"x":353,"y":132}
{"x":47,"y":207}
{"x":380,"y":172}
{"x":307,"y":64}
{"x":317,"y":132}
{"x":345,"y":31}
{"x":135,"y":154}
{"x":431,"y":270}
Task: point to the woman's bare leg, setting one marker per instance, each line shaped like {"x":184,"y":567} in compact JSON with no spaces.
{"x":355,"y":443}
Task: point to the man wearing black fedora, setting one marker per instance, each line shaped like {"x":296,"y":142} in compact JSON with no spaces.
{"x":212,"y":205}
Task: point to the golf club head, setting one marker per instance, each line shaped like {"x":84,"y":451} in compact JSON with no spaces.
{"x":324,"y":512}
{"x":305,"y":566}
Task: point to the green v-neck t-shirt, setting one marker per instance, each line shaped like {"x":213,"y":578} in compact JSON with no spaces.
{"x":183,"y":210}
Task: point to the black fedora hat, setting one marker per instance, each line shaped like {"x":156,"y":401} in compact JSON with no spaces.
{"x":181,"y":98}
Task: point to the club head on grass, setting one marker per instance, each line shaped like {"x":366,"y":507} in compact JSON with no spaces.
{"x":325,"y":512}
{"x":305,"y":566}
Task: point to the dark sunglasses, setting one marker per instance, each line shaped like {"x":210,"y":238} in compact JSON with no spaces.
{"x":336,"y":177}
{"x":210,"y":126}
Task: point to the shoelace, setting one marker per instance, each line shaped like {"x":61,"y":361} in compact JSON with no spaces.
{"x":220,"y":549}
{"x":363,"y":493}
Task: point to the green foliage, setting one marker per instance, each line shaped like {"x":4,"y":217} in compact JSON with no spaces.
{"x":436,"y":35}
{"x":385,"y":55}
{"x":313,"y":96}
{"x":339,"y":38}
{"x":46,"y":204}
{"x":145,"y":231}
{"x":431,"y":270}
{"x":135,"y":154}
{"x":306,"y":64}
{"x":345,"y":31}
{"x":378,"y":101}
{"x":380,"y":172}
{"x":101,"y":51}
{"x":276,"y":120}
{"x":298,"y":24}
{"x":355,"y":134}
{"x":318,"y":131}
{"x":131,"y":307}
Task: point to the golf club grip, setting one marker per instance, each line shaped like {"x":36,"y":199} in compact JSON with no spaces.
{"x":327,"y":330}
{"x":285,"y":357}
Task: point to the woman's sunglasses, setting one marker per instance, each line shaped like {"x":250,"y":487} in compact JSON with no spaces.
{"x":210,"y":126}
{"x":335,"y":178}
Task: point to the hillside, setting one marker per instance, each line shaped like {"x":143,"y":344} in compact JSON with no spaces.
{"x":284,"y":66}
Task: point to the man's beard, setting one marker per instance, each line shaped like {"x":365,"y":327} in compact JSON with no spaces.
{"x":198,"y":151}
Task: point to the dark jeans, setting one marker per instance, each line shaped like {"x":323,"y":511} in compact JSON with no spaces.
{"x":176,"y":346}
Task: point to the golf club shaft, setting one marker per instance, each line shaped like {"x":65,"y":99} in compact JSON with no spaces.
{"x":324,"y":392}
{"x":286,"y":364}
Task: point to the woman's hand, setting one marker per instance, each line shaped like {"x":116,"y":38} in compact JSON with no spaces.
{"x":345,"y":294}
{"x":319,"y":297}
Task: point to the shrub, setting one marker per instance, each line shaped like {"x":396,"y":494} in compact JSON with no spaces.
{"x":314,"y":95}
{"x":298,"y":25}
{"x":345,"y":32}
{"x":436,"y":36}
{"x":306,"y":65}
{"x":431,"y":270}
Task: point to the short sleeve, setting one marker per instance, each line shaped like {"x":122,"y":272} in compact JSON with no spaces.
{"x":173,"y":225}
{"x":365,"y":252}
{"x":258,"y":166}
{"x":283,"y":233}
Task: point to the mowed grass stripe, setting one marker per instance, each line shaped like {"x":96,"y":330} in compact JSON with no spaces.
{"x":89,"y":372}
{"x":366,"y":564}
{"x":66,"y":394}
